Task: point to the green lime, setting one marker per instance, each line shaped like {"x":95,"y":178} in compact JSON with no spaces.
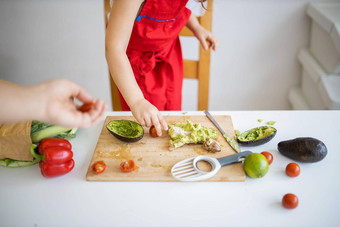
{"x":255,"y":165}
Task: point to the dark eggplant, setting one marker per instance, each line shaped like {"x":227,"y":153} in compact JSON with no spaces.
{"x":125,"y":130}
{"x":303,"y":149}
{"x":257,"y":136}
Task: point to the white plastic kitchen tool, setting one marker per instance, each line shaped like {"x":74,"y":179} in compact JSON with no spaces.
{"x":187,"y":170}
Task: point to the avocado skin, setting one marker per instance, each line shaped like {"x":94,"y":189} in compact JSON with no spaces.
{"x":303,"y":149}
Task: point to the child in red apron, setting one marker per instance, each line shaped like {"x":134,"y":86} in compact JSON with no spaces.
{"x":145,"y":58}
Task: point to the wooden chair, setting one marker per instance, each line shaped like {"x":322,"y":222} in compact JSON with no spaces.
{"x":193,"y":69}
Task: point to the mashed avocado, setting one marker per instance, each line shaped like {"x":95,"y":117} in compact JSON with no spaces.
{"x":187,"y":132}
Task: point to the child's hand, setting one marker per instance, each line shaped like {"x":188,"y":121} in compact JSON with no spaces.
{"x":148,"y":115}
{"x":206,"y":38}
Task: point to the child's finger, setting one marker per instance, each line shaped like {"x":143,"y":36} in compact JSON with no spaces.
{"x":158,"y":128}
{"x":204,"y":44}
{"x":163,"y":123}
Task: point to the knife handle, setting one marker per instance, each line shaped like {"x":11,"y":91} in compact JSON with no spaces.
{"x":230,"y":159}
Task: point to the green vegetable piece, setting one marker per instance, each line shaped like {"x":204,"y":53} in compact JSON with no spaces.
{"x":271,"y":122}
{"x":51,"y":131}
{"x":260,"y":120}
{"x":16,"y":163}
{"x":237,"y":132}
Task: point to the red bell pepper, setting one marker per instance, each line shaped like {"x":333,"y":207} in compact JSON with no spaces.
{"x":53,"y":142}
{"x":55,"y":157}
{"x":48,"y":170}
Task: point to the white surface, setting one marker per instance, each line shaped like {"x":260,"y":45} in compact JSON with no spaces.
{"x":28,"y":199}
{"x":256,"y":60}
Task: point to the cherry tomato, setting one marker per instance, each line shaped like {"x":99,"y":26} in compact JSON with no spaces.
{"x":98,"y":167}
{"x":290,"y":201}
{"x":293,"y":169}
{"x":86,"y":107}
{"x":128,"y":166}
{"x":153,"y":131}
{"x":268,"y":156}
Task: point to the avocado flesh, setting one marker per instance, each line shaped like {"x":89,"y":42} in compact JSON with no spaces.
{"x":257,"y":136}
{"x":125,"y":130}
{"x":303,"y":149}
{"x":187,"y":132}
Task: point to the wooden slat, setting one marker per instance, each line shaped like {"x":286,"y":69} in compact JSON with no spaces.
{"x":186,"y":32}
{"x":190,"y":69}
{"x":116,"y":105}
{"x":204,"y":63}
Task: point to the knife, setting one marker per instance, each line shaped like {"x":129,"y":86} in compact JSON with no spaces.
{"x":229,"y":139}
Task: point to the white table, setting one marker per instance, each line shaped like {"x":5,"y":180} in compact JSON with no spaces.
{"x":28,"y":199}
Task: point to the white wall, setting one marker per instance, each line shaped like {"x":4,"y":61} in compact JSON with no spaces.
{"x":253,"y":68}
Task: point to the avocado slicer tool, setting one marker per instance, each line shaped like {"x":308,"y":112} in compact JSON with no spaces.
{"x":187,"y":170}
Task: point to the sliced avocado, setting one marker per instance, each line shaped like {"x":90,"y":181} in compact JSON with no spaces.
{"x":256,"y":136}
{"x":125,"y":130}
{"x":303,"y":149}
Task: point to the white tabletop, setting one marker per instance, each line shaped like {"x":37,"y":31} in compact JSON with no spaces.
{"x":28,"y":199}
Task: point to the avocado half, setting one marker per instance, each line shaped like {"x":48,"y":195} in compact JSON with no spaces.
{"x":125,"y":130}
{"x":257,"y":136}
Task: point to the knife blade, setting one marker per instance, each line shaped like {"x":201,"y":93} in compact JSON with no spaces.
{"x":231,"y":141}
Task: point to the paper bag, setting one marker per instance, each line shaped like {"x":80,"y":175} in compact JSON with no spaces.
{"x":15,"y":141}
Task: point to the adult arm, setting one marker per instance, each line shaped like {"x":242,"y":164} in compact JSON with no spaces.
{"x":51,"y":102}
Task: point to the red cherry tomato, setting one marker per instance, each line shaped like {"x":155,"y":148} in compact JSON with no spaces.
{"x":268,"y":156}
{"x":153,"y":131}
{"x":128,"y":166}
{"x":86,"y":107}
{"x":98,"y":167}
{"x":290,"y":201}
{"x":293,"y":169}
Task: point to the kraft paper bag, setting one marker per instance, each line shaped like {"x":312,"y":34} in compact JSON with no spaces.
{"x":15,"y":141}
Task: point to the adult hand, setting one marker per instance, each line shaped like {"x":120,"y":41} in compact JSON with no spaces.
{"x":56,"y":98}
{"x":51,"y":102}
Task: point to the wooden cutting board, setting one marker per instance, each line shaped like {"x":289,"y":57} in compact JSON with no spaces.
{"x":153,"y":156}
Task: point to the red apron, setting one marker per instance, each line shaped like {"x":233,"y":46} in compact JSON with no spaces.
{"x":155,"y":53}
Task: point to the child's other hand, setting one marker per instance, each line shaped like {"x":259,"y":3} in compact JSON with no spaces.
{"x":148,"y":115}
{"x":206,"y":38}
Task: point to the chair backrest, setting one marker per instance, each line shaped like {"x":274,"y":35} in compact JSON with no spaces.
{"x":193,"y":69}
